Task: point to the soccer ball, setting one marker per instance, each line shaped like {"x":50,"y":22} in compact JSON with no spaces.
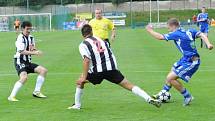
{"x":164,"y":96}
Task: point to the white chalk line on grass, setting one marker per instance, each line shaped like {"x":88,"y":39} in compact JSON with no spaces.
{"x":75,"y":73}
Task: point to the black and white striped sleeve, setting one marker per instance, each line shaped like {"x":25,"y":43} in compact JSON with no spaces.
{"x":20,"y":45}
{"x":84,"y":51}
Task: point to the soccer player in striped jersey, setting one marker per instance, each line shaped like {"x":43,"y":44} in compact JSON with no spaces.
{"x":99,"y":63}
{"x":189,"y":63}
{"x":25,"y":47}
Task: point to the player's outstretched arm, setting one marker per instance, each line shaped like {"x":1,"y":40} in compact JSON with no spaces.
{"x":25,"y":52}
{"x":113,"y":34}
{"x":205,"y":39}
{"x":154,"y":33}
{"x":82,"y":79}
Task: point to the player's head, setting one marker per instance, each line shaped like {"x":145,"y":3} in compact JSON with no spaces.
{"x":173,"y":24}
{"x":86,"y":31}
{"x":98,"y":13}
{"x":203,"y":9}
{"x":26,"y":27}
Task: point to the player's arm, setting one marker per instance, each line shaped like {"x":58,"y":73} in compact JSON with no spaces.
{"x":86,"y":64}
{"x":205,"y":39}
{"x":154,"y":33}
{"x":25,"y":52}
{"x":21,"y":48}
{"x":199,"y":19}
{"x":113,"y":34}
{"x":113,"y":30}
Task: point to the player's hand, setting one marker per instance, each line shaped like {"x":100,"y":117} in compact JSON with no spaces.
{"x":32,"y":48}
{"x":81,"y":80}
{"x":38,"y":53}
{"x":210,"y":46}
{"x":113,"y":36}
{"x":149,"y":27}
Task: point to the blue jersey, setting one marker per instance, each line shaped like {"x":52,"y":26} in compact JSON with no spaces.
{"x":184,"y":41}
{"x":203,"y":16}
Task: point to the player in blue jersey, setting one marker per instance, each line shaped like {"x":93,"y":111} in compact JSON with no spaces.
{"x":203,"y":21}
{"x":190,"y":61}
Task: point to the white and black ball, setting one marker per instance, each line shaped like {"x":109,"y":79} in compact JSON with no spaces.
{"x":164,"y":96}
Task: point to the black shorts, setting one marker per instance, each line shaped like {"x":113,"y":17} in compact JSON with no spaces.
{"x":113,"y":76}
{"x":25,"y":67}
{"x":16,"y":27}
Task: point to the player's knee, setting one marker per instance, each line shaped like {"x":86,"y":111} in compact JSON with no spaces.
{"x":43,"y":71}
{"x":169,"y":81}
{"x":23,"y":78}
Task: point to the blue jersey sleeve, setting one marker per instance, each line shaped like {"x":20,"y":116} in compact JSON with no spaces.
{"x":195,"y":33}
{"x":170,"y":36}
{"x":198,"y":17}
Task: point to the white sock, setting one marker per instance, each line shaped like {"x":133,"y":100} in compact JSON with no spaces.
{"x":39,"y":83}
{"x":137,"y":91}
{"x":16,"y":88}
{"x":78,"y":94}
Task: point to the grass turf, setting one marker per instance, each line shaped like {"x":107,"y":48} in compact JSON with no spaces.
{"x":142,"y":59}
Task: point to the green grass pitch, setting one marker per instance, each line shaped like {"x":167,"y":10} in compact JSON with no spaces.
{"x":142,"y":59}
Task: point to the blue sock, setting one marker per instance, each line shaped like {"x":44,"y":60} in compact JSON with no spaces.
{"x":185,"y":93}
{"x":167,"y":87}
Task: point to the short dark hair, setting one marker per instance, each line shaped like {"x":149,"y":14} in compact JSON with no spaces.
{"x":174,"y":22}
{"x":26,"y":24}
{"x":86,"y":30}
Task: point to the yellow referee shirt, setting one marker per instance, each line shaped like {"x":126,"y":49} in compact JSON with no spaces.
{"x":101,"y":27}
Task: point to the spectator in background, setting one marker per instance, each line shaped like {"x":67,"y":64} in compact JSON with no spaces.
{"x":102,"y":26}
{"x":212,"y":22}
{"x":16,"y":25}
{"x":188,"y":22}
{"x":194,"y":19}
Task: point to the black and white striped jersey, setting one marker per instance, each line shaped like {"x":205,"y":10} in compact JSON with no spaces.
{"x":100,"y":54}
{"x":23,"y":43}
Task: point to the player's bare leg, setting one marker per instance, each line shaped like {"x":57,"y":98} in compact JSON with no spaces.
{"x":203,"y":43}
{"x":40,"y":80}
{"x":172,"y":79}
{"x":138,"y":91}
{"x":23,"y":78}
{"x":17,"y":31}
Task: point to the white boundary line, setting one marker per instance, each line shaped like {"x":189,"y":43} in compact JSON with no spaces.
{"x":75,"y":73}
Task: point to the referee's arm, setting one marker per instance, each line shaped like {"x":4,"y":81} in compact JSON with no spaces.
{"x":113,"y":30}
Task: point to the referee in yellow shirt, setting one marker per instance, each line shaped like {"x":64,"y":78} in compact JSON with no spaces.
{"x":102,"y":26}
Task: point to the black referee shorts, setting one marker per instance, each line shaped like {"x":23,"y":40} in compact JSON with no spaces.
{"x":113,"y":76}
{"x":25,"y":67}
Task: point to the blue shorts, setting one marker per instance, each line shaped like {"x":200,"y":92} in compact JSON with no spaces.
{"x":186,"y":69}
{"x":204,"y":29}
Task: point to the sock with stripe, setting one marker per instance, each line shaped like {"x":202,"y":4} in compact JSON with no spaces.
{"x":167,"y":87}
{"x":185,"y":93}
